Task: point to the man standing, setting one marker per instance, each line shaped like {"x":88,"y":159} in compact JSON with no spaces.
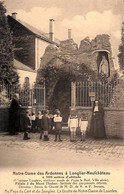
{"x":14,"y":121}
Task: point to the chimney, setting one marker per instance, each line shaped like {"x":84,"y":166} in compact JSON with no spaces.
{"x":14,"y":15}
{"x":51,"y":29}
{"x":69,"y":33}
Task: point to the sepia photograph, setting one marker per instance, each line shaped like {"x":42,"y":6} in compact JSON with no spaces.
{"x":61,"y":96}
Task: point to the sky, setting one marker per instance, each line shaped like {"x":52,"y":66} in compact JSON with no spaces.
{"x":84,"y":17}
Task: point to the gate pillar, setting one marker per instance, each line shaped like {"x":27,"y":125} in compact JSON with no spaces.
{"x":73,"y":94}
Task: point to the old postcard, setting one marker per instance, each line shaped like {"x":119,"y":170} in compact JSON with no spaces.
{"x":61,"y":96}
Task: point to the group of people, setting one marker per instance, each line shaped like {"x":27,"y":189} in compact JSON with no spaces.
{"x":94,"y":129}
{"x":43,"y":122}
{"x":27,"y":122}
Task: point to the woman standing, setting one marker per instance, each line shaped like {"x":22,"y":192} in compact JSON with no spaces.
{"x":97,"y":128}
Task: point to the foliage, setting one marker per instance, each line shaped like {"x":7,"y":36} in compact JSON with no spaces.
{"x":117,"y":99}
{"x":121,"y":50}
{"x":73,"y":71}
{"x":52,"y":72}
{"x":58,"y":75}
{"x":61,"y":98}
{"x":120,"y":56}
{"x":4,"y":100}
{"x":8,"y":74}
{"x":25,"y":95}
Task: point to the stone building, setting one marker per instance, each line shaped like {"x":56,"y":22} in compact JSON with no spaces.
{"x":30,"y":44}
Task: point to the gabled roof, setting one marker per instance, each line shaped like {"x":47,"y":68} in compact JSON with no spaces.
{"x":40,"y":34}
{"x":20,"y":66}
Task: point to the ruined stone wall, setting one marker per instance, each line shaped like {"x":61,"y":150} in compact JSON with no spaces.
{"x":85,"y":54}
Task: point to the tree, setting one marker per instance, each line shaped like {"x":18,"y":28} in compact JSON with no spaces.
{"x":8,"y":74}
{"x":52,"y":72}
{"x":121,"y":50}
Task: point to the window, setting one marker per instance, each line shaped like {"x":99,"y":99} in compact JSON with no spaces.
{"x":26,"y":80}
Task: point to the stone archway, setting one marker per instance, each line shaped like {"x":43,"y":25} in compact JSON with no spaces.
{"x":61,"y":98}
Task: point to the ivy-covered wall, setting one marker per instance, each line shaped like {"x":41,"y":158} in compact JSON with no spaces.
{"x":66,"y":63}
{"x":118,"y":95}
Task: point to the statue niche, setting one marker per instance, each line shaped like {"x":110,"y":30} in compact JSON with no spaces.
{"x":103,"y":65}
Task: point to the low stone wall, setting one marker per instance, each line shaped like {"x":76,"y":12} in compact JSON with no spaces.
{"x":113,"y":120}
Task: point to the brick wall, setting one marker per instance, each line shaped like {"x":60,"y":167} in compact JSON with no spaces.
{"x":113,"y":120}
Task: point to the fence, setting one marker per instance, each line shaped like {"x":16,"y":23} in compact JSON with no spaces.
{"x":34,"y":96}
{"x":100,"y":90}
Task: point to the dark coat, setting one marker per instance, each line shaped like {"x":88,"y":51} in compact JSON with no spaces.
{"x":45,"y":123}
{"x":38,"y":122}
{"x":97,"y":128}
{"x":14,"y":121}
{"x":58,"y":123}
{"x":26,"y":123}
{"x":58,"y":126}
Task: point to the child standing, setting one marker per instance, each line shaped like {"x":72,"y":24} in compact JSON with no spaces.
{"x":58,"y":125}
{"x":51,"y":122}
{"x":39,"y":123}
{"x":26,"y":125}
{"x":33,"y":122}
{"x":83,"y":124}
{"x":73,"y":124}
{"x":45,"y":124}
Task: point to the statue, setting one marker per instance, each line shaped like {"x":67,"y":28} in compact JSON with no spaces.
{"x":103,"y":65}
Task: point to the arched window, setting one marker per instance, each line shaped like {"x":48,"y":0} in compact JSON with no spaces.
{"x":26,"y":80}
